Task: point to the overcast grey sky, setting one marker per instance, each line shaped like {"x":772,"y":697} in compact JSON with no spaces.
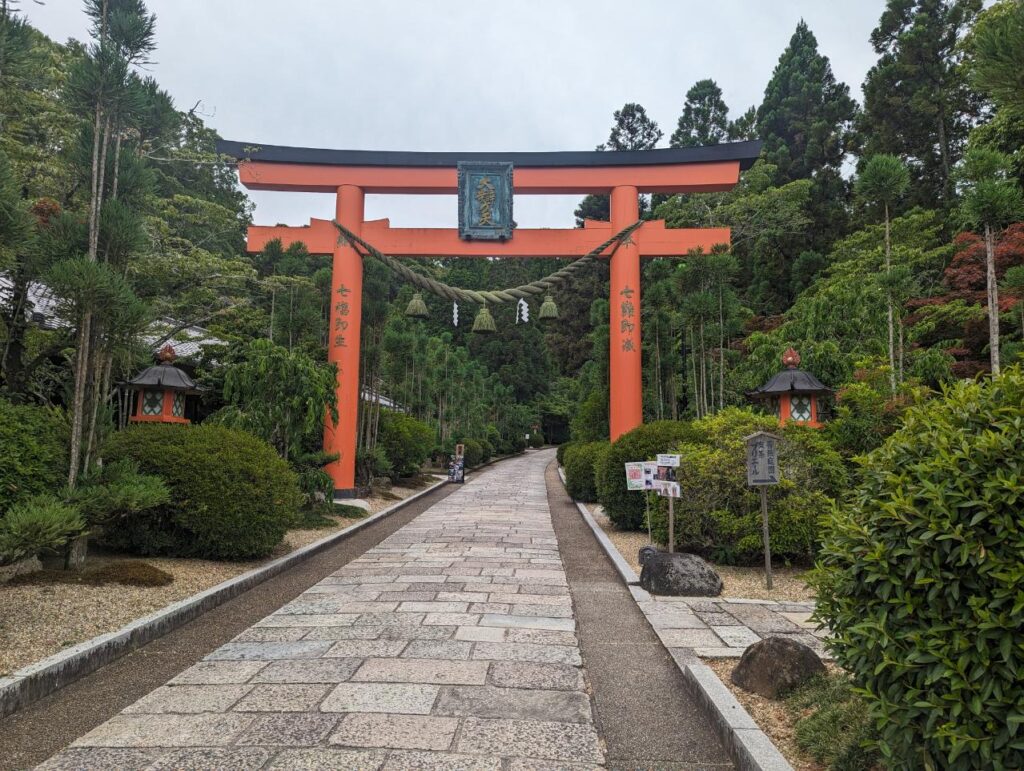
{"x":465,"y":74}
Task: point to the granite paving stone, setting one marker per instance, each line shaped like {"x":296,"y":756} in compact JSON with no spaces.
{"x":219,"y":672}
{"x":516,"y":703}
{"x":282,"y":697}
{"x":308,"y":671}
{"x":520,"y":674}
{"x":292,"y":729}
{"x":408,"y":760}
{"x":209,"y":758}
{"x":328,"y":759}
{"x":407,"y":732}
{"x":189,"y":698}
{"x":549,"y":740}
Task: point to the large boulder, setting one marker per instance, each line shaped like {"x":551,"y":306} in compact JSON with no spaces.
{"x":679,"y":574}
{"x":775,"y":665}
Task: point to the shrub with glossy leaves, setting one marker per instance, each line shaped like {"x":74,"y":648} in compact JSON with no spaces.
{"x":920,"y":581}
{"x":232,"y":496}
{"x":625,"y":508}
{"x":581,"y":459}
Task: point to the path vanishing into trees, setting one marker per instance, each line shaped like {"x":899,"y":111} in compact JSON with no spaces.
{"x":488,"y":632}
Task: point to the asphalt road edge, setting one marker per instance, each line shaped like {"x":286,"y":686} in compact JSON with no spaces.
{"x":45,"y":676}
{"x":749,"y":746}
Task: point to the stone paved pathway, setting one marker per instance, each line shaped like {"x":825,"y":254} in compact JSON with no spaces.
{"x":449,"y":645}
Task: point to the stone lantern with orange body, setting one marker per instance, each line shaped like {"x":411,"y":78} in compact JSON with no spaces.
{"x":161,"y":391}
{"x":793,"y":395}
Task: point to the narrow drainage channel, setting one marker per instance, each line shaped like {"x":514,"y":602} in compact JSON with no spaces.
{"x":33,"y":734}
{"x":643,"y":710}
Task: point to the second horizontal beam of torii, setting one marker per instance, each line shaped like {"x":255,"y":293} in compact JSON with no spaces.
{"x":652,"y":238}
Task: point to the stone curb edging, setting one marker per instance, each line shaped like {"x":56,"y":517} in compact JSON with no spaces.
{"x":749,"y":746}
{"x":45,"y":676}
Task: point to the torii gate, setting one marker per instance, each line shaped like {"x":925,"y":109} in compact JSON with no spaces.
{"x":351,"y":174}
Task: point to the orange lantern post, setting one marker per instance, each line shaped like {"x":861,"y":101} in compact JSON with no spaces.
{"x":793,"y":395}
{"x":161,"y":391}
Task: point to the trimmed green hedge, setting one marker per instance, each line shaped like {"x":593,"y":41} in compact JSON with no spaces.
{"x":920,"y":581}
{"x":581,"y":459}
{"x":232,"y":496}
{"x":625,"y":508}
{"x":33,"y":452}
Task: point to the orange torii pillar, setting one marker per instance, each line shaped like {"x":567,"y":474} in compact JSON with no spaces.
{"x":351,"y":174}
{"x":625,"y":374}
{"x":343,"y":350}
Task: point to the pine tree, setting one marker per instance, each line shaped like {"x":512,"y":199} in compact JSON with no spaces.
{"x":917,"y":104}
{"x":804,"y":119}
{"x":632,"y":129}
{"x":705,"y":118}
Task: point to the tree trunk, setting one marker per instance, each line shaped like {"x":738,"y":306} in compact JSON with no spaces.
{"x":993,"y":299}
{"x":78,"y":397}
{"x":888,"y":304}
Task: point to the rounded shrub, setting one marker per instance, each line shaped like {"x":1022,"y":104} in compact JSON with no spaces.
{"x":920,"y":575}
{"x":33,"y":450}
{"x":406,"y":442}
{"x":536,"y":439}
{"x":625,"y":508}
{"x":581,"y":459}
{"x":474,"y":453}
{"x":35,"y":524}
{"x":232,"y":496}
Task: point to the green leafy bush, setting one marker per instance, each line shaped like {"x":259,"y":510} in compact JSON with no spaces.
{"x":581,"y":459}
{"x":232,"y":496}
{"x":37,"y":523}
{"x":624,"y":508}
{"x":865,"y":416}
{"x":406,"y":441}
{"x":32,"y":449}
{"x":920,"y":578}
{"x":719,"y":516}
{"x":536,"y":439}
{"x":474,"y":452}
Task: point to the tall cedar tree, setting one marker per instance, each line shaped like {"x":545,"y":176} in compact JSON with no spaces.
{"x":805,"y":122}
{"x":705,"y":118}
{"x":917,"y":103}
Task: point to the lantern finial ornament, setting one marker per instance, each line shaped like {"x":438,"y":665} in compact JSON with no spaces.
{"x":791,"y":358}
{"x":166,"y":354}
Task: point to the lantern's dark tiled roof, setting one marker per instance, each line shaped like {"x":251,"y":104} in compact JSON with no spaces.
{"x":790,"y":381}
{"x":165,"y":376}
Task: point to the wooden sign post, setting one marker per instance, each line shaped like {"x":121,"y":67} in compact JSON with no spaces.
{"x":763,"y":470}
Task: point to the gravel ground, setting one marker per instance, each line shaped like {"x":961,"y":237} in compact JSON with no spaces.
{"x":739,"y":582}
{"x":771,"y":716}
{"x":38,"y":621}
